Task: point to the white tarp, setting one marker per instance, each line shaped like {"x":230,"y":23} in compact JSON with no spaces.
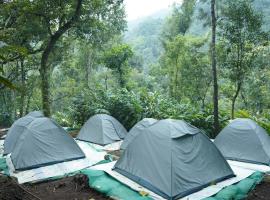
{"x":60,"y":169}
{"x":240,"y":172}
{"x":1,"y":147}
{"x":109,"y":147}
{"x":254,"y":167}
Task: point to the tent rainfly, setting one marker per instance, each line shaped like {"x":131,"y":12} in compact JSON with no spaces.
{"x":244,"y":140}
{"x":102,"y":129}
{"x":17,"y":128}
{"x":43,"y":142}
{"x":173,"y":159}
{"x":136,"y":130}
{"x":35,"y":114}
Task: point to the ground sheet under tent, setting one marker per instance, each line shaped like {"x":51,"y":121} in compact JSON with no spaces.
{"x":57,"y":170}
{"x":109,"y":147}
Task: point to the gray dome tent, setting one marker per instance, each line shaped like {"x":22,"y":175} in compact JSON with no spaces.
{"x":17,"y":128}
{"x":35,"y":114}
{"x":244,"y":140}
{"x":102,"y":129}
{"x":43,"y":142}
{"x":173,"y":159}
{"x":136,"y":130}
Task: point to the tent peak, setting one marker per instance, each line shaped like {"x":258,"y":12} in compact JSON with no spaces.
{"x":178,"y":128}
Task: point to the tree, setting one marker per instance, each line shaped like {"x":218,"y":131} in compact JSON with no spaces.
{"x":214,"y":67}
{"x":241,"y":34}
{"x":94,"y":20}
{"x":180,"y":20}
{"x":187,"y":67}
{"x":9,"y":53}
{"x":117,"y":59}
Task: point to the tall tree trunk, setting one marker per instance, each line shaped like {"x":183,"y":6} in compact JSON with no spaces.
{"x":122,"y":81}
{"x":239,"y":84}
{"x":176,"y":87}
{"x":106,"y":82}
{"x":44,"y":68}
{"x":23,"y":88}
{"x":45,"y":85}
{"x":86,"y":81}
{"x":214,"y":68}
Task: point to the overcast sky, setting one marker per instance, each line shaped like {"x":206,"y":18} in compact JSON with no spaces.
{"x":141,"y":8}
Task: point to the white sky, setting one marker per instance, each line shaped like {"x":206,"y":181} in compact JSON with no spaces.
{"x":141,"y":8}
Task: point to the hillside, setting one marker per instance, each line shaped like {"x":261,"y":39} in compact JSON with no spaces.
{"x":144,"y":34}
{"x":198,"y":28}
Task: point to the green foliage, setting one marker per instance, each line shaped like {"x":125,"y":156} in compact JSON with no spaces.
{"x":201,"y":19}
{"x":99,"y":19}
{"x":164,"y":70}
{"x":5,"y":119}
{"x":117,"y":59}
{"x":241,"y":38}
{"x":129,"y":108}
{"x":145,"y":41}
{"x":180,"y":19}
{"x":7,"y":83}
{"x":188,"y":67}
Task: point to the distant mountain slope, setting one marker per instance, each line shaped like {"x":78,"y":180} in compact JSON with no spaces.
{"x":144,"y":34}
{"x":197,"y":27}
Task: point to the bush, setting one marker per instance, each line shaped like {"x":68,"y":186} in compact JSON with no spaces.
{"x":126,"y":107}
{"x":129,"y":108}
{"x":5,"y":119}
{"x":86,"y":105}
{"x":63,"y":119}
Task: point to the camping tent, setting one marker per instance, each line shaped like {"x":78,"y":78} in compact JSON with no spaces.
{"x":173,"y":159}
{"x":43,"y":142}
{"x":102,"y":129}
{"x":136,"y":130}
{"x":35,"y":114}
{"x":17,"y":128}
{"x":244,"y":140}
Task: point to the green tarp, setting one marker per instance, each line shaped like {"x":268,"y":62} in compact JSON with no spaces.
{"x":3,"y":166}
{"x":240,"y":190}
{"x":109,"y":186}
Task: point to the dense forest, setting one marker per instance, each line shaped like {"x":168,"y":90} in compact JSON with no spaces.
{"x":74,"y":59}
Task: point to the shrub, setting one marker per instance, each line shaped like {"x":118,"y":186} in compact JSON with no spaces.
{"x":129,"y":108}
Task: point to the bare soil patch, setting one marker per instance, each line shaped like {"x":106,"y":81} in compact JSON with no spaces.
{"x":262,"y":190}
{"x":70,"y":188}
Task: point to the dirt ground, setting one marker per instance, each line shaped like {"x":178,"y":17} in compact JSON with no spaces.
{"x":74,"y":133}
{"x":76,"y":188}
{"x":117,"y":153}
{"x":71,"y":188}
{"x":262,"y":190}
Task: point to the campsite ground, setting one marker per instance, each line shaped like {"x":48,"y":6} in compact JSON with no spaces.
{"x":76,"y":188}
{"x":262,"y":190}
{"x":71,"y":188}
